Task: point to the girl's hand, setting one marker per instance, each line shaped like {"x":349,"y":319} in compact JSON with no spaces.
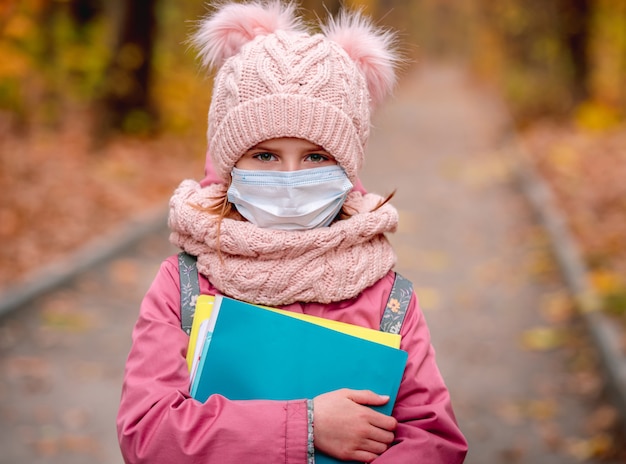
{"x":347,"y":429}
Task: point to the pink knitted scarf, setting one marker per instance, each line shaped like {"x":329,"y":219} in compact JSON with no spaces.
{"x":275,"y":267}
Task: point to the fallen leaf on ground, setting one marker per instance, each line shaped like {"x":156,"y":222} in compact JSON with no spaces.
{"x":584,"y":449}
{"x":428,"y":297}
{"x":543,"y":338}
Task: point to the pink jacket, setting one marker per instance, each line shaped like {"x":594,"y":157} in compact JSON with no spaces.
{"x":159,"y":423}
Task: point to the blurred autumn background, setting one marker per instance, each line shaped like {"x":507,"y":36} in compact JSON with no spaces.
{"x":103,"y":111}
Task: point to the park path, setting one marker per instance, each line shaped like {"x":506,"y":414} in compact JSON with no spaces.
{"x":483,"y":272}
{"x":467,"y":240}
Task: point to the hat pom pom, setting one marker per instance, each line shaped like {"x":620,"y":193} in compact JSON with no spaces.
{"x":223,"y":33}
{"x":371,"y":48}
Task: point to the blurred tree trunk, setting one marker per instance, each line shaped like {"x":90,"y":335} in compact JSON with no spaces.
{"x":83,"y":12}
{"x":61,"y":25}
{"x":575,"y":22}
{"x":48,"y":111}
{"x":125,"y":104}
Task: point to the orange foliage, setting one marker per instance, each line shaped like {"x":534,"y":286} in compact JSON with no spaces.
{"x":58,"y":194}
{"x":586,"y":171}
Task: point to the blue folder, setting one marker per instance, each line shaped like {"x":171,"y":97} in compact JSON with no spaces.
{"x":254,"y":353}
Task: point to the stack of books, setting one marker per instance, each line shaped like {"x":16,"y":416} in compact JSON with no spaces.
{"x":244,"y":351}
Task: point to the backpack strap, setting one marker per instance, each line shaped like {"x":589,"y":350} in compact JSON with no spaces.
{"x":397,"y":305}
{"x":393,"y":317}
{"x":189,"y":289}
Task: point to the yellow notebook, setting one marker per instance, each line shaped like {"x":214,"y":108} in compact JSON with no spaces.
{"x":373,"y":335}
{"x":204,"y":306}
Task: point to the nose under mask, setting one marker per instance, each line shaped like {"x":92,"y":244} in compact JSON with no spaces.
{"x":293,"y":200}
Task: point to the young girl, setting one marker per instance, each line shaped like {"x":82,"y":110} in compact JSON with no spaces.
{"x":277,"y":222}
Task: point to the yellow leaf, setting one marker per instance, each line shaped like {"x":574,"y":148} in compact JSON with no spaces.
{"x":63,"y":313}
{"x":428,"y":298}
{"x":583,"y":449}
{"x":542,"y":410}
{"x":543,"y":338}
{"x":596,"y":116}
{"x":606,"y":282}
{"x":540,"y":264}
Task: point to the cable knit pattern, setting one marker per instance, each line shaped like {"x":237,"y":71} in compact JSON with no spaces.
{"x":289,"y":84}
{"x":275,"y":79}
{"x":274,"y":267}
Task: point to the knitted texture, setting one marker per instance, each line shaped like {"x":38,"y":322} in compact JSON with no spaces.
{"x":275,"y":267}
{"x":277,"y":80}
{"x":289,"y":85}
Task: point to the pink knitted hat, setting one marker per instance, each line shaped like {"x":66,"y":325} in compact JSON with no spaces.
{"x":275,"y":80}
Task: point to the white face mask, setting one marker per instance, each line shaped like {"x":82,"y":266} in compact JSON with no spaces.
{"x":289,"y":200}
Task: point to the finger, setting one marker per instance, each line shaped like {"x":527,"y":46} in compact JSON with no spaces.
{"x":384,"y":437}
{"x":373,"y":446}
{"x":384,"y":422}
{"x":367,"y":397}
{"x":363,"y":456}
